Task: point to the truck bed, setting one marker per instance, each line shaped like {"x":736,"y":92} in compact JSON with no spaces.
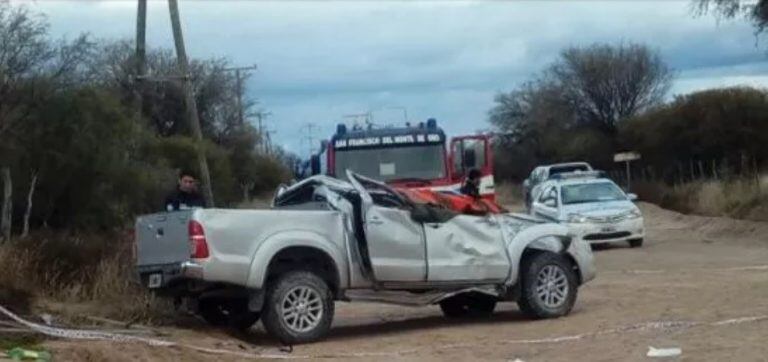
{"x":233,"y":237}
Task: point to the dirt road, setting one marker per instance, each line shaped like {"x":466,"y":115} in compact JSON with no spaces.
{"x":700,"y":284}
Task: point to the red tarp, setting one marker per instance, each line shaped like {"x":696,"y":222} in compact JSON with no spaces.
{"x":457,"y":202}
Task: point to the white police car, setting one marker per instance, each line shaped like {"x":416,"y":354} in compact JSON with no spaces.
{"x":594,"y":208}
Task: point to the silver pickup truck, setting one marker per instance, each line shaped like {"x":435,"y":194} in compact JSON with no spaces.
{"x":325,"y":240}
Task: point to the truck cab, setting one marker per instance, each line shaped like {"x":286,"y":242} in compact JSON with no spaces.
{"x":413,"y":156}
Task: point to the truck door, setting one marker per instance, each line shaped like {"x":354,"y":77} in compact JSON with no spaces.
{"x":546,"y":203}
{"x":396,"y":243}
{"x":466,"y":248}
{"x":473,"y":152}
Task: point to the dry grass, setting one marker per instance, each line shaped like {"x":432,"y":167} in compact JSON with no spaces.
{"x":509,"y":194}
{"x":58,"y":272}
{"x":742,"y":198}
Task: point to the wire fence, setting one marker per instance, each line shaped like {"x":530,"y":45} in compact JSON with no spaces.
{"x":687,"y":172}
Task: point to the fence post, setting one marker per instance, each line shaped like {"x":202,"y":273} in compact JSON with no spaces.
{"x":714,"y":169}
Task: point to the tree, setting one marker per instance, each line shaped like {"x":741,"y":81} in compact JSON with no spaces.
{"x":606,"y":84}
{"x":32,"y":68}
{"x":71,"y":143}
{"x":573,"y":108}
{"x":756,"y":12}
{"x":725,"y":125}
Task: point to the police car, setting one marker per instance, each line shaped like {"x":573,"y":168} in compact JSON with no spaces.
{"x":594,"y":208}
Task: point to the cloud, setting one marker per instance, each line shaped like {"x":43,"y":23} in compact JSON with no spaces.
{"x":321,"y":60}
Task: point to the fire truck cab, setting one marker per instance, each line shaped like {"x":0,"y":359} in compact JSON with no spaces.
{"x":416,"y":156}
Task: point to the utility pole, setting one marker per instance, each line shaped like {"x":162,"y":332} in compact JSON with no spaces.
{"x":268,"y":141}
{"x":264,"y":136}
{"x":141,"y":58}
{"x":240,"y":79}
{"x":310,"y":135}
{"x":189,"y":98}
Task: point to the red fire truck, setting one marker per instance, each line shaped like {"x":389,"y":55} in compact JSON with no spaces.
{"x":413,"y":157}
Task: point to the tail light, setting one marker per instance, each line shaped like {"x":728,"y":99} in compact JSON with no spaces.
{"x":197,"y":240}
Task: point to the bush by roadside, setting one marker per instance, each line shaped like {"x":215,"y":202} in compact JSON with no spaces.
{"x":72,"y":275}
{"x":739,"y":198}
{"x":509,"y":194}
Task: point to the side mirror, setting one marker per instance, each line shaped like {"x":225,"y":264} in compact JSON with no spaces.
{"x":526,"y":184}
{"x":632,"y":197}
{"x":550,"y":203}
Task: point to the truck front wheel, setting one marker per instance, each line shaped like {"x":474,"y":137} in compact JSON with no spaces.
{"x":298,"y":308}
{"x":549,"y":285}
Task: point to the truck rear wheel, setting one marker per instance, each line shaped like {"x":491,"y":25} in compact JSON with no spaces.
{"x":468,"y":305}
{"x":223,"y":312}
{"x":298,"y":308}
{"x":549,"y":285}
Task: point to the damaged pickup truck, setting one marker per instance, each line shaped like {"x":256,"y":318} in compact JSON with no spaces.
{"x":327,"y":240}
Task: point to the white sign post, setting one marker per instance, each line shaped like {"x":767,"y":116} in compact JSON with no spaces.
{"x":626,"y":157}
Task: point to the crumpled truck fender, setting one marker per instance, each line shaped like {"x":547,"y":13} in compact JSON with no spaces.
{"x":275,"y":243}
{"x":548,"y":237}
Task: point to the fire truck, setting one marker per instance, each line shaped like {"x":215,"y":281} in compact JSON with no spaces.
{"x":414,"y":156}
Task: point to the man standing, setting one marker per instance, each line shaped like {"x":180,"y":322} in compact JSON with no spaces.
{"x":186,"y":195}
{"x":471,"y":186}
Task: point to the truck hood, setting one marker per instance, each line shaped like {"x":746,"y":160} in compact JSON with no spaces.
{"x":600,"y":209}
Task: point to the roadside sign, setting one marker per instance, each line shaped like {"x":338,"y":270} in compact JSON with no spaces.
{"x":626,"y":156}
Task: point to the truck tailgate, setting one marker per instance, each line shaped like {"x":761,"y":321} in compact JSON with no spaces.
{"x":162,"y":238}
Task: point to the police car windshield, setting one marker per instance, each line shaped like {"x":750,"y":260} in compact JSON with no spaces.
{"x":591,"y":192}
{"x":418,"y":162}
{"x":566,"y":169}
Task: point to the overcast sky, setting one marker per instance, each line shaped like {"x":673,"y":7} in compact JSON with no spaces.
{"x":321,"y":60}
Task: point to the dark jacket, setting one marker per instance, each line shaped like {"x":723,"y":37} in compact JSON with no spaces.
{"x":470,"y":189}
{"x":180,"y":200}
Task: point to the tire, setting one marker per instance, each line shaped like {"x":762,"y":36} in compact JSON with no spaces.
{"x":635,"y":243}
{"x":468,"y":305}
{"x":232,"y":313}
{"x":547,"y":270}
{"x":309,"y":293}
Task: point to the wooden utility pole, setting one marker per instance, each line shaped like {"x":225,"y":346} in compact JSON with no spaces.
{"x":189,"y":98}
{"x":239,"y":77}
{"x":264,"y":136}
{"x":310,"y":135}
{"x":141,"y":58}
{"x":240,"y":117}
